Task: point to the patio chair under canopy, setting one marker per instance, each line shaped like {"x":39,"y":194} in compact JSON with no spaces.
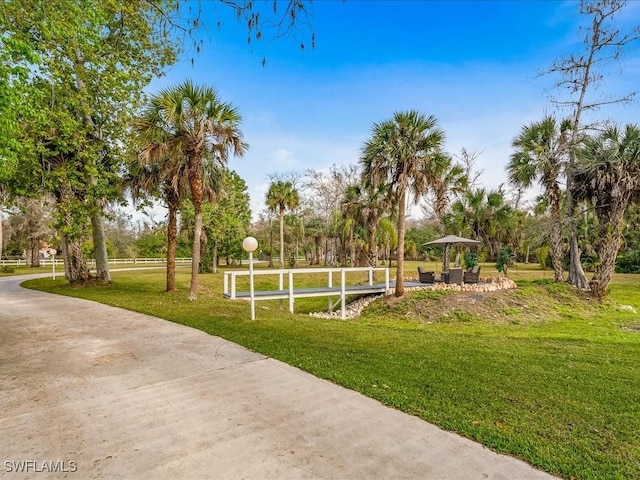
{"x":446,"y":242}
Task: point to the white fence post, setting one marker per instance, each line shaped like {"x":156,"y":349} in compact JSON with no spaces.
{"x":330,"y":285}
{"x":291,"y":291}
{"x":343,"y":295}
{"x":386,"y":281}
{"x":233,"y":285}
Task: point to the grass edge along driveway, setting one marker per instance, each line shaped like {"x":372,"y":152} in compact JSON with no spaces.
{"x":555,"y":385}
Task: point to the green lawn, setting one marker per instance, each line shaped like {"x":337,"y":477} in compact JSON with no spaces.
{"x":548,"y":376}
{"x":9,"y":271}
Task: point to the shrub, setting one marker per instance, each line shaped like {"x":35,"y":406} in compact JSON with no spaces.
{"x":470,"y":260}
{"x":505,"y":258}
{"x":542,"y":255}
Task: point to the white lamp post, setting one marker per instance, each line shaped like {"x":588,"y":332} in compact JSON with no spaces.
{"x":250,"y":244}
{"x":53,"y":265}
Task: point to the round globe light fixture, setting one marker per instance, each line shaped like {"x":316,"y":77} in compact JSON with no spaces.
{"x":250,"y":244}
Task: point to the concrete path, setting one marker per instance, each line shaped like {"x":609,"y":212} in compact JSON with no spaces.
{"x":90,"y":391}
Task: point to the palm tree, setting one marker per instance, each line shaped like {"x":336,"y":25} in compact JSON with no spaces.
{"x":608,"y":175}
{"x":296,"y":224}
{"x":350,"y":212}
{"x":365,"y":205}
{"x":190,"y":125}
{"x":482,"y":215}
{"x":168,"y":179}
{"x":400,"y":155}
{"x":541,"y":150}
{"x":448,"y":179}
{"x":388,"y":237}
{"x":282,"y":196}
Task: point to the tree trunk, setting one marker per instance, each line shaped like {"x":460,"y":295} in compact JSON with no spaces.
{"x":577,"y":277}
{"x":317,"y":239}
{"x":66,"y":261}
{"x":610,"y":228}
{"x":215,"y":257}
{"x":172,"y":242}
{"x":75,"y":267}
{"x":195,"y":260}
{"x":440,"y":207}
{"x":1,"y":232}
{"x":603,"y":274}
{"x":445,"y":257}
{"x":34,"y":246}
{"x":100,"y":247}
{"x":326,"y":251}
{"x":197,"y":194}
{"x":556,"y":236}
{"x":282,"y":238}
{"x":270,"y":265}
{"x":556,"y":252}
{"x":78,"y":268}
{"x":400,"y":251}
{"x":97,"y":222}
{"x":373,"y":247}
{"x":352,"y":249}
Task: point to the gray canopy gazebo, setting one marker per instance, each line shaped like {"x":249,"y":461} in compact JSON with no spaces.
{"x":446,"y":242}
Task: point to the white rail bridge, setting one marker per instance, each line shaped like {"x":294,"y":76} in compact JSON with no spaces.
{"x":333,"y":275}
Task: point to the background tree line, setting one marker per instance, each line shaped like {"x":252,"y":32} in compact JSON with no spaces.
{"x":79,"y":134}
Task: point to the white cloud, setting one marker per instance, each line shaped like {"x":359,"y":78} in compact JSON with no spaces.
{"x":284,"y":158}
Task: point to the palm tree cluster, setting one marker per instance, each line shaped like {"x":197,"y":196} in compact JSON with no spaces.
{"x":282,"y":196}
{"x":540,"y":154}
{"x":401,"y":156}
{"x":605,"y":173}
{"x":363,"y":216}
{"x":186,"y":135}
{"x":358,"y":216}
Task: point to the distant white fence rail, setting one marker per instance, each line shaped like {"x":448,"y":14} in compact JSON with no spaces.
{"x":290,"y":293}
{"x":112,"y":261}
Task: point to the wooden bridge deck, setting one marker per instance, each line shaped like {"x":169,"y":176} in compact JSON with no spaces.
{"x":311,"y":292}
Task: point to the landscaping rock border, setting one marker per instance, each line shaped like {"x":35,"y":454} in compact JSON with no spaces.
{"x":355,"y":308}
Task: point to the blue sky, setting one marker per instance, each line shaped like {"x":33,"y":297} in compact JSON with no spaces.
{"x":471,"y":64}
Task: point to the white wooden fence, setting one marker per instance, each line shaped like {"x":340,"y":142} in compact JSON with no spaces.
{"x":112,"y":261}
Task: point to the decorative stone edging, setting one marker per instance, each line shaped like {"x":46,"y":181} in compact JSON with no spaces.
{"x":487,"y":285}
{"x":355,"y":308}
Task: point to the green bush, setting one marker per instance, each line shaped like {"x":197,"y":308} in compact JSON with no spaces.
{"x":542,"y":255}
{"x":628,"y":262}
{"x":505,"y":258}
{"x":470,"y":260}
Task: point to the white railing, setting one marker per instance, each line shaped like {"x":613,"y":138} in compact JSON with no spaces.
{"x":112,"y":261}
{"x":230,"y":284}
{"x":143,"y":261}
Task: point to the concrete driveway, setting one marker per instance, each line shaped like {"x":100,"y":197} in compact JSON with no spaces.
{"x":91,"y":391}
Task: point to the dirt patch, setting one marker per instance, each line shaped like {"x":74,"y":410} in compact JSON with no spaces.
{"x":529,"y":305}
{"x":468,"y":306}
